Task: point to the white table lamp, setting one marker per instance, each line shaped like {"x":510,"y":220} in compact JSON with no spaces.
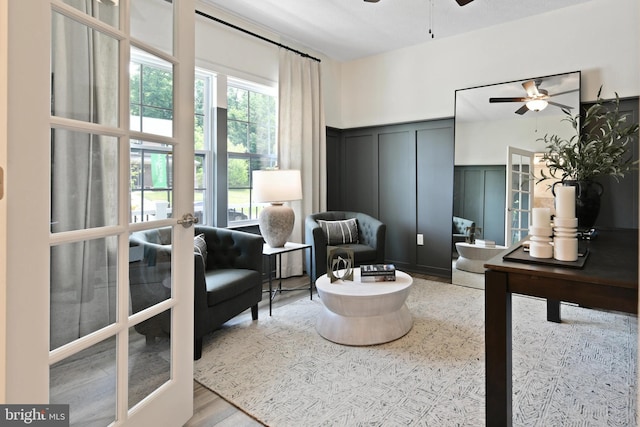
{"x":276,"y":187}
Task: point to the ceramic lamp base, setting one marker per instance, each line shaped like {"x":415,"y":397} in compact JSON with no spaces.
{"x":276,"y":224}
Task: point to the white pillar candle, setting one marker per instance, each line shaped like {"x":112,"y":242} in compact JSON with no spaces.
{"x":566,"y":201}
{"x":541,"y":217}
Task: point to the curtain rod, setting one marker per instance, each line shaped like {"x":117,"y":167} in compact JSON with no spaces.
{"x":235,"y":27}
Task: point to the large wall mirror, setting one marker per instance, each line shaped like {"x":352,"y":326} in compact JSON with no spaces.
{"x":497,"y":136}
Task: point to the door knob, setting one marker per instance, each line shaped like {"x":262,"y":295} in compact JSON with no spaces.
{"x":188,"y":220}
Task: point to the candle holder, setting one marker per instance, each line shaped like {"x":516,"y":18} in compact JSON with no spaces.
{"x":565,"y":225}
{"x":540,"y":234}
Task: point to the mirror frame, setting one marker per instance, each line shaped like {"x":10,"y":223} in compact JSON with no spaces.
{"x":483,"y":131}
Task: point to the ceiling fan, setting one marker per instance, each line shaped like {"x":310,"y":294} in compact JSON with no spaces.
{"x":460,"y":2}
{"x":536,"y":100}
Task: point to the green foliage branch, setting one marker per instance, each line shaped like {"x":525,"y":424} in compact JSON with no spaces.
{"x":598,"y":148}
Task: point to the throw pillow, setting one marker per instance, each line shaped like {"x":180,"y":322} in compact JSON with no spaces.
{"x":200,"y":247}
{"x":340,"y":232}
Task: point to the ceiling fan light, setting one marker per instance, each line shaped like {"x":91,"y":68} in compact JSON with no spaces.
{"x":537,"y":104}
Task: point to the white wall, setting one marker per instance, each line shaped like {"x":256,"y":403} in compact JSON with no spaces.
{"x":484,"y":143}
{"x":599,"y":38}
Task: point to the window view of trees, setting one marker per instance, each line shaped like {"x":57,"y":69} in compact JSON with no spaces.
{"x":251,"y":142}
{"x":251,"y":145}
{"x":151,"y":97}
{"x":151,"y":111}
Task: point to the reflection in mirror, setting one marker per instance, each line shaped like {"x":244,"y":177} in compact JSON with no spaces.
{"x":495,"y":124}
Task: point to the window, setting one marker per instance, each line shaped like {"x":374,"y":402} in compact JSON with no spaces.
{"x":151,"y":164}
{"x":251,"y":144}
{"x":202,"y":145}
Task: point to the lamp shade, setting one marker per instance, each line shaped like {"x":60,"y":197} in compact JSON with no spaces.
{"x":276,"y":185}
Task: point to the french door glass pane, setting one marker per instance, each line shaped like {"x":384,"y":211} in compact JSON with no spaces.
{"x":84,"y":73}
{"x":84,"y":180}
{"x":149,"y":362}
{"x":151,"y":177}
{"x":200,"y":190}
{"x":86,"y":382}
{"x":151,"y":95}
{"x":83,"y":290}
{"x":106,"y":11}
{"x":152,"y":23}
{"x":150,"y":276}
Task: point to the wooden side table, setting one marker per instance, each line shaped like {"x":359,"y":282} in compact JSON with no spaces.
{"x":609,"y":280}
{"x":270,"y":252}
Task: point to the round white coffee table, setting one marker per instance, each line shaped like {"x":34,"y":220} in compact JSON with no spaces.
{"x":472,"y":257}
{"x":364,"y":313}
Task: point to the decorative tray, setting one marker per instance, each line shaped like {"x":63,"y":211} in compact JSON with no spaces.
{"x":519,"y":254}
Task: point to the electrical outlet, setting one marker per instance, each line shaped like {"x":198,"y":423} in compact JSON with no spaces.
{"x":420,"y":240}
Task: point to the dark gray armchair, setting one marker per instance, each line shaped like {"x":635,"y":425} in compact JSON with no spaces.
{"x":228,"y":282}
{"x":369,"y":248}
{"x":463,"y":230}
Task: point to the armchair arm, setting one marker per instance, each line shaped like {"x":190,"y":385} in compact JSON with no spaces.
{"x":315,"y":237}
{"x":372,"y":233}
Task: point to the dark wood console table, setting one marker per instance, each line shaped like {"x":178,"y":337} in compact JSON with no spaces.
{"x":608,"y":280}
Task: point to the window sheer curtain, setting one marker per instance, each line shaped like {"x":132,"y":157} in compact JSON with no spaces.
{"x":84,"y":179}
{"x":302,"y":141}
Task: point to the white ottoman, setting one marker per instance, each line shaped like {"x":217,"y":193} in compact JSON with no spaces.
{"x":357,"y":313}
{"x":473,"y":257}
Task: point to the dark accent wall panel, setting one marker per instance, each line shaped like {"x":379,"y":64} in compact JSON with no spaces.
{"x":480,"y":195}
{"x":403,"y":175}
{"x":397,"y":190}
{"x":359,"y":167}
{"x":471,"y":194}
{"x":619,"y":202}
{"x":434,"y":165}
{"x":494,"y":205}
{"x":334,"y":177}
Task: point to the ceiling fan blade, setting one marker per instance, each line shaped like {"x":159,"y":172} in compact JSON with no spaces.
{"x":531,"y":87}
{"x":508,"y":99}
{"x":566,"y":107}
{"x":522,"y":110}
{"x":463,"y":2}
{"x":566,"y":91}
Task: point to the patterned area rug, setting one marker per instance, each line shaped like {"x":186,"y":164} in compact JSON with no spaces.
{"x":280,"y":371}
{"x":466,"y":278}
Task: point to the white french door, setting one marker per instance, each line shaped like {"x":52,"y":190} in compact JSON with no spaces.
{"x":75,"y":333}
{"x":520,"y":185}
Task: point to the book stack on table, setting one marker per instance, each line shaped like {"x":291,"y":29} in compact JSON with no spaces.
{"x":378,"y":273}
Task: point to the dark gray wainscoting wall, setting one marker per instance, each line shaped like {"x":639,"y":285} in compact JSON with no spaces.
{"x":619,"y":202}
{"x":403,"y":175}
{"x":479,"y":194}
